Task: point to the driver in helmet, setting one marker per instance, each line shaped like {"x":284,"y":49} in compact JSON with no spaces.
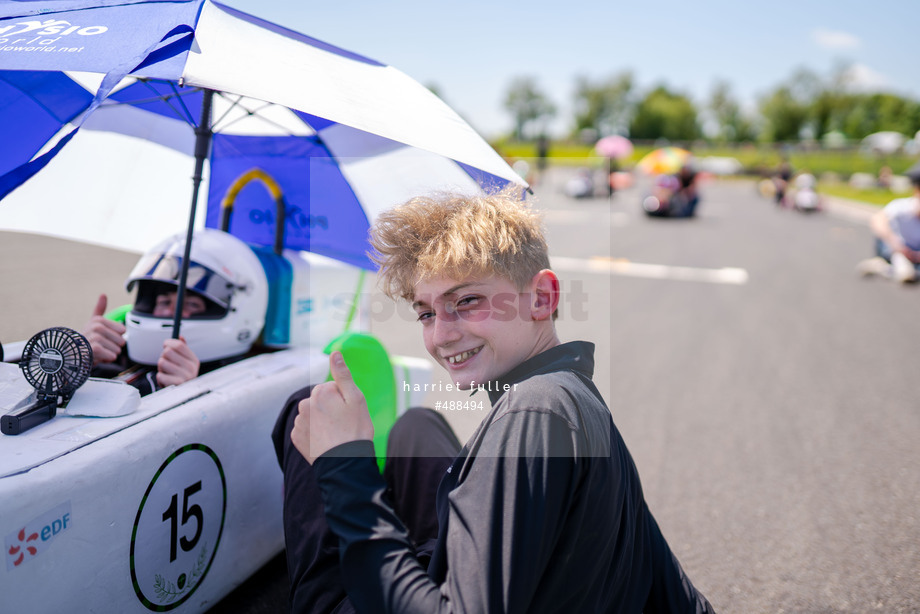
{"x":223,"y":313}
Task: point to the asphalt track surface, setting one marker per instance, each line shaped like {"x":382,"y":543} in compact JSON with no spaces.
{"x":767,"y":393}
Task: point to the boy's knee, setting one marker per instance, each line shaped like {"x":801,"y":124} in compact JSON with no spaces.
{"x":421,"y":429}
{"x":415,"y":420}
{"x":281,"y":433}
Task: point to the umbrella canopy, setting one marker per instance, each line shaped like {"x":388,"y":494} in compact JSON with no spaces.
{"x":614,"y":146}
{"x":665,"y":160}
{"x":340,"y":135}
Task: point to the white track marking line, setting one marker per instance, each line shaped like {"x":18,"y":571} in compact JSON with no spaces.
{"x":576,"y":218}
{"x":620,"y":266}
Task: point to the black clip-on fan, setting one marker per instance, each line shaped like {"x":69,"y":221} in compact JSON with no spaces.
{"x":56,"y":362}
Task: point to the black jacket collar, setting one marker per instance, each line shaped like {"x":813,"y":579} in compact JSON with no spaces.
{"x":572,"y":356}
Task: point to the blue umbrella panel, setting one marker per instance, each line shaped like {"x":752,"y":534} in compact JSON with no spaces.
{"x":321,"y":212}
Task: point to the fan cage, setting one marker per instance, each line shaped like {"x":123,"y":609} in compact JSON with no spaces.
{"x":76,"y":356}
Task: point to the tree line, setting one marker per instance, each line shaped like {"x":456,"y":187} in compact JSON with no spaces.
{"x":804,"y":106}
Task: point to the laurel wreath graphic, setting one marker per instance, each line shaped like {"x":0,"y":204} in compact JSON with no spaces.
{"x":167,"y":591}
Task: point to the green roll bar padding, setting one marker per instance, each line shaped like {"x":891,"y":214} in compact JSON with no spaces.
{"x":354,"y":300}
{"x":372,"y":371}
{"x":119,"y":313}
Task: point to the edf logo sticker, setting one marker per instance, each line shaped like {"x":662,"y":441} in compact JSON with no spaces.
{"x":31,"y":540}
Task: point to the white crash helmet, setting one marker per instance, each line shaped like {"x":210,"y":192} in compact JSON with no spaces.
{"x":224,"y":271}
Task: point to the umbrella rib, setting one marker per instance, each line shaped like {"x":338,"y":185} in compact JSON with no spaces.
{"x":188,"y":113}
{"x":233,"y":104}
{"x":138,"y":101}
{"x":167,"y":99}
{"x":249,"y":112}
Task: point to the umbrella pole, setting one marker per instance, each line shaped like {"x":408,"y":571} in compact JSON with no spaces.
{"x":202,"y":145}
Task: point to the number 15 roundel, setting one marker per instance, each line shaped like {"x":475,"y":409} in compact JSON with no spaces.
{"x":178,"y":527}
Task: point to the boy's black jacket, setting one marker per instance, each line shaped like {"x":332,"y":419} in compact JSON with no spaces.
{"x":542,"y":511}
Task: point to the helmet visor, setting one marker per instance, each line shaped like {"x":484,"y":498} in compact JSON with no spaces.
{"x":167,"y":268}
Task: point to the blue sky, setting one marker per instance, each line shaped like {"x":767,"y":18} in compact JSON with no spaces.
{"x":472,"y":50}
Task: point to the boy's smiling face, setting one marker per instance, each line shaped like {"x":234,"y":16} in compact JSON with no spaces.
{"x":478,"y":329}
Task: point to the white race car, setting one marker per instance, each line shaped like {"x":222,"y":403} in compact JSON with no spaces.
{"x":168,"y":502}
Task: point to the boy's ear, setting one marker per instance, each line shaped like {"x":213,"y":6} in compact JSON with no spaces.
{"x":546,"y":295}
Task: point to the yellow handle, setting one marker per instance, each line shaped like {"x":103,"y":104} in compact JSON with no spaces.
{"x":244,"y":179}
{"x":273,"y":188}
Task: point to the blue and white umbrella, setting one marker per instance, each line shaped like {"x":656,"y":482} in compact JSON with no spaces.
{"x":343,"y":136}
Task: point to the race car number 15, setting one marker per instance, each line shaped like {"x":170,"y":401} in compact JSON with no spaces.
{"x":178,"y":527}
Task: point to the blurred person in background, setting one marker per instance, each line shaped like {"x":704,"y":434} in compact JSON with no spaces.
{"x":805,"y":197}
{"x":674,"y":195}
{"x":884,"y":178}
{"x":897,"y":237}
{"x":781,"y":182}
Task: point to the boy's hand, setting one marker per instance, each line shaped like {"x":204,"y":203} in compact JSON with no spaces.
{"x":104,"y":335}
{"x":333,"y":414}
{"x":177,"y":363}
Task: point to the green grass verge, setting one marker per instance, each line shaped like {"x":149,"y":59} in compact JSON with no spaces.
{"x":872,"y":196}
{"x":756,"y":159}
